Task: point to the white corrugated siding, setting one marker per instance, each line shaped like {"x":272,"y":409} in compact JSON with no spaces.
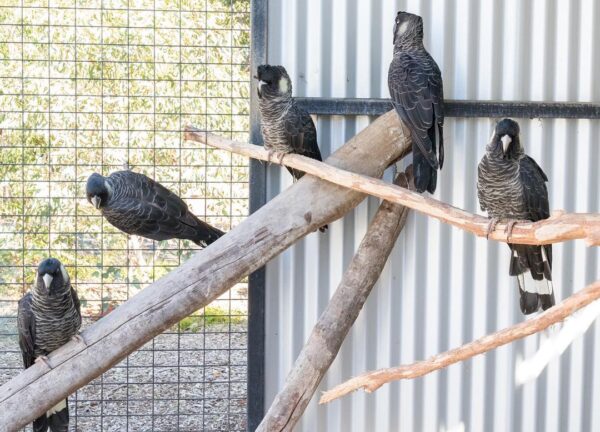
{"x":443,"y":287}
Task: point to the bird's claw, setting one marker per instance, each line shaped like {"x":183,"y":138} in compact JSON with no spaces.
{"x":269,"y":155}
{"x":280,"y":157}
{"x":44,"y":360}
{"x":491,"y":227}
{"x":79,"y":338}
{"x":509,"y":228}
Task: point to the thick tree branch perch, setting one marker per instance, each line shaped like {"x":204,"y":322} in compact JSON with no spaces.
{"x":327,"y":336}
{"x":301,"y":209}
{"x":371,"y":381}
{"x":559,"y":227}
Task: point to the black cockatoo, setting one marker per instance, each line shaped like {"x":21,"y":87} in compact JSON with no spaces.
{"x":286,"y":128}
{"x":415,"y":84}
{"x":512,"y":186}
{"x":136,"y":204}
{"x":48,"y":317}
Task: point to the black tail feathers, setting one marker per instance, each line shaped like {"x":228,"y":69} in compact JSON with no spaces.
{"x":55,"y":420}
{"x":296,"y":173}
{"x":59,"y":421}
{"x":532,"y":266}
{"x":426,"y":165}
{"x":207,"y":234}
{"x":40,"y":424}
{"x":532,"y":302}
{"x":528,"y":302}
{"x":425,"y":176}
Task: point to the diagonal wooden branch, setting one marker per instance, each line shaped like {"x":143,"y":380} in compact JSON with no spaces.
{"x":297,"y":211}
{"x":371,"y":381}
{"x":559,"y":227}
{"x":327,"y":336}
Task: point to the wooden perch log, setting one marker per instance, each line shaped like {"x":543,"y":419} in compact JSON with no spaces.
{"x":299,"y":210}
{"x":559,"y":227}
{"x":327,"y":336}
{"x":371,"y":381}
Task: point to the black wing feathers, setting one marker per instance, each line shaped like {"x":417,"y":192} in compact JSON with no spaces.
{"x":158,"y":213}
{"x":26,"y":328}
{"x":537,"y":260}
{"x":417,"y":92}
{"x":302,"y":136}
{"x":535,"y":194}
{"x":416,"y":88}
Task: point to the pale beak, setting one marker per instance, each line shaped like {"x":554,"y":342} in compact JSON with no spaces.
{"x":96,"y":201}
{"x":47,"y":280}
{"x":260,"y":84}
{"x":506,"y":140}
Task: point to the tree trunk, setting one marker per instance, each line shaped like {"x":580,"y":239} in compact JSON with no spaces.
{"x":330,"y":331}
{"x":301,"y":209}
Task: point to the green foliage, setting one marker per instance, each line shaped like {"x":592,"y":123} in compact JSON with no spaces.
{"x":212,"y":315}
{"x":110,"y":87}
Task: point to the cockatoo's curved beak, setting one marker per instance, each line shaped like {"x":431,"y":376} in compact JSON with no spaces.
{"x":96,"y":201}
{"x":506,"y":140}
{"x":47,"y":280}
{"x":259,"y":88}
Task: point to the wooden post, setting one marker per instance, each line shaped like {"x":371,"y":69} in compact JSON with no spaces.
{"x":297,"y":211}
{"x":327,"y":336}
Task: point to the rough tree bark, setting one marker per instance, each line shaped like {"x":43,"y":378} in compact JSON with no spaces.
{"x":371,"y":381}
{"x":299,"y":210}
{"x":559,"y":227}
{"x":327,"y":336}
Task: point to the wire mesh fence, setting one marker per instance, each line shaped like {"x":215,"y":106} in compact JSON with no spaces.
{"x":95,"y":86}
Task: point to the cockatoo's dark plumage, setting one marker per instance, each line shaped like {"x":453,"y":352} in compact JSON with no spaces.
{"x":415,"y":84}
{"x":136,"y":204}
{"x":511,"y":185}
{"x":286,"y":128}
{"x":48,"y":317}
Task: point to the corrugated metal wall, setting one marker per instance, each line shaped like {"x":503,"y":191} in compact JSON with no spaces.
{"x":443,"y":287}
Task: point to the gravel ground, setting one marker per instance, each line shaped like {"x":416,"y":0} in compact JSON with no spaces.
{"x":177,"y":382}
